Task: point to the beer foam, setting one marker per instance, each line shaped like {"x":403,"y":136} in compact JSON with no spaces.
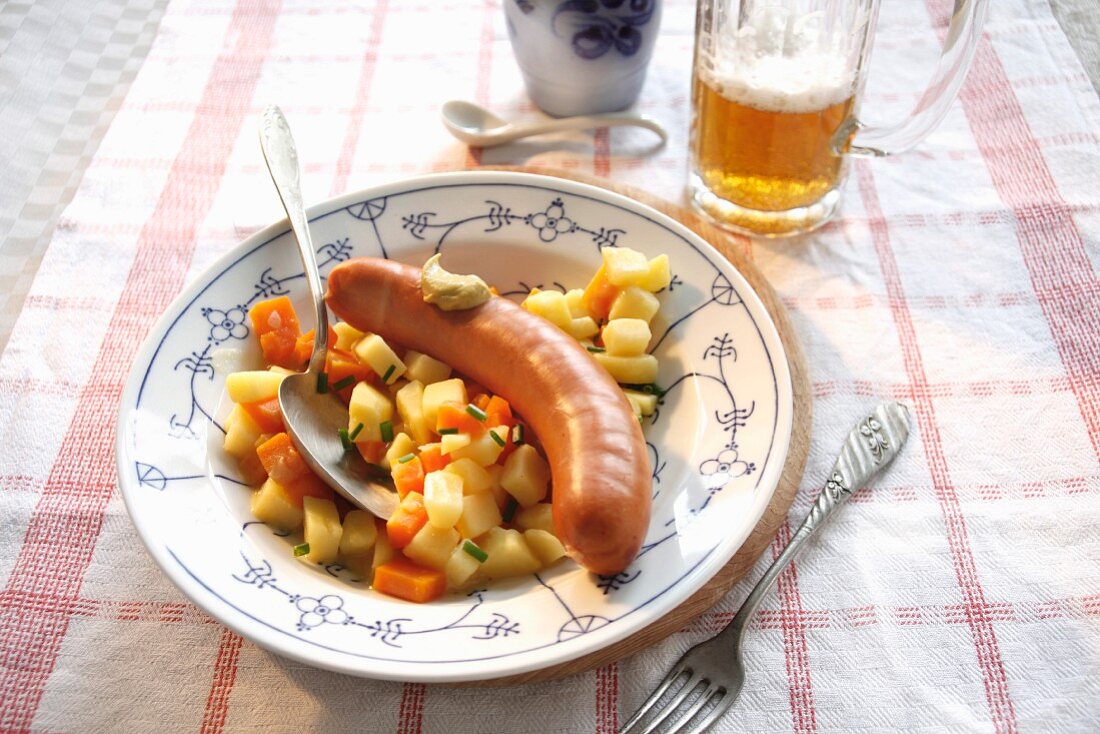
{"x":779,"y":62}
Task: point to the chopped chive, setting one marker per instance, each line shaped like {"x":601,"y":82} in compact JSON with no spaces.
{"x":301,"y":550}
{"x":497,"y":439}
{"x":346,"y":382}
{"x":345,"y":439}
{"x":447,"y":431}
{"x":596,"y":350}
{"x":510,"y":510}
{"x":471,"y":548}
{"x":406,"y":458}
{"x":386,"y":377}
{"x":652,"y":388}
{"x":355,"y":433}
{"x":517,"y":434}
{"x":387,"y":431}
{"x":477,"y":412}
{"x":322,"y":382}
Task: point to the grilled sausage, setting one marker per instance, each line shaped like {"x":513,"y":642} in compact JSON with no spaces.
{"x":598,"y":459}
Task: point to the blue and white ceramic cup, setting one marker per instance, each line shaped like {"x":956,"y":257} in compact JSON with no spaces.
{"x":580,"y":57}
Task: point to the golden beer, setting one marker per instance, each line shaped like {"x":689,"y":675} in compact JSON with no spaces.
{"x":763,"y":159}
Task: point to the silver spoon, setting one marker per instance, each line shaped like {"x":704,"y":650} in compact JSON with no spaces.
{"x":312,"y":418}
{"x":478,"y":126}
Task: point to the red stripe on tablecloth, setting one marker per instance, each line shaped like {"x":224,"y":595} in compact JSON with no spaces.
{"x":601,"y":161}
{"x":484,"y":73}
{"x":801,"y":692}
{"x":362,"y":94}
{"x":958,"y":540}
{"x":411,"y":713}
{"x":607,"y":699}
{"x":61,"y":535}
{"x":225,"y":673}
{"x":1053,"y":251}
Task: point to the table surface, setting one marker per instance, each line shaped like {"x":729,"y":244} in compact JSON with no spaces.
{"x":960,"y":594}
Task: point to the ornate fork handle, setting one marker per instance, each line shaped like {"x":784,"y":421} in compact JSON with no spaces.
{"x":871,"y":445}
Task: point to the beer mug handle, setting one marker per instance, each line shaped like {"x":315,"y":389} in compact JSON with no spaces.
{"x":963,"y":35}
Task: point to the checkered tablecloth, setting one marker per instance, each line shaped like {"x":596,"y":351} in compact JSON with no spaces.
{"x":962,"y":593}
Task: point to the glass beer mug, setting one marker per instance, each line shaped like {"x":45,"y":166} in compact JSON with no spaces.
{"x":776,"y":86}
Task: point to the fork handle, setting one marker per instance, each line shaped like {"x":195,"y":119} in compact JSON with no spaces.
{"x":870,"y":447}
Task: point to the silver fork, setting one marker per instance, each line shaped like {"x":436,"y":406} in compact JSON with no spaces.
{"x":712,"y":671}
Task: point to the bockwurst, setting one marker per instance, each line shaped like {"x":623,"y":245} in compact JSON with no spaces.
{"x":599,"y":462}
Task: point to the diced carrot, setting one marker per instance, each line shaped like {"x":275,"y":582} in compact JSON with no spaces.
{"x":433,"y":459}
{"x":371,"y":451}
{"x":281,"y":459}
{"x":406,"y":520}
{"x":267,"y":414}
{"x":276,"y":325}
{"x":341,"y":366}
{"x":303,"y":346}
{"x":598,"y":295}
{"x":481,"y":401}
{"x":406,"y":580}
{"x":408,"y":477}
{"x":453,"y":416}
{"x":499,"y":412}
{"x":308,"y":485}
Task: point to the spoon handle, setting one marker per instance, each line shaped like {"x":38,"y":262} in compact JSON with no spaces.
{"x":602,"y":120}
{"x":282,"y":160}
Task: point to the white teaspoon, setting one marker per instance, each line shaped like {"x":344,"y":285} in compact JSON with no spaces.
{"x":478,"y":126}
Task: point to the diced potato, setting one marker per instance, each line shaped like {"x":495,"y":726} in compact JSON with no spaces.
{"x":536,"y":517}
{"x":658,"y":276}
{"x":483,"y":449}
{"x":359,"y":534}
{"x":624,"y":266}
{"x":241,"y":434}
{"x":402,"y":444}
{"x":508,"y":554}
{"x":461,"y":566}
{"x":383,"y":553}
{"x":254,"y":386}
{"x":273,"y":505}
{"x":432,"y":546}
{"x":479,"y":513}
{"x":552,"y":306}
{"x":453,"y":442}
{"x":544,"y":545}
{"x":322,"y":529}
{"x":346,"y":336}
{"x":574,"y":300}
{"x":373,"y":351}
{"x":424,"y":368}
{"x":583,"y":327}
{"x":474,"y":477}
{"x":637,"y":370}
{"x":634,"y":302}
{"x":644,"y":403}
{"x":371,"y":407}
{"x":526,"y":475}
{"x":453,"y":390}
{"x":443,"y":498}
{"x":359,"y":564}
{"x":410,"y":399}
{"x":280,"y":370}
{"x":626,"y":337}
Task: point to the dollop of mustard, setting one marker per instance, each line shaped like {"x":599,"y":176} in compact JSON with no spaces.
{"x":450,"y":291}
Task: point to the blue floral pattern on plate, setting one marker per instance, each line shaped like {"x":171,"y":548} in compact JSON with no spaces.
{"x":723,"y":372}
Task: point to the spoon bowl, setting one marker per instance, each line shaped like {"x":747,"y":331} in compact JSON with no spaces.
{"x":475,"y":125}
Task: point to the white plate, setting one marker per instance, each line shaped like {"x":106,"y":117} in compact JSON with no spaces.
{"x":717,"y":445}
